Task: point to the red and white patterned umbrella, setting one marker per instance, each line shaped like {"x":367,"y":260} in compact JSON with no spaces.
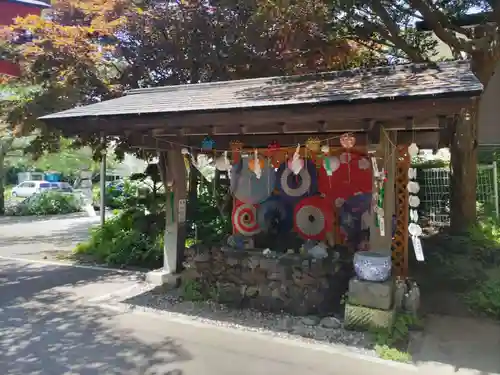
{"x":313,"y":218}
{"x":245,"y":220}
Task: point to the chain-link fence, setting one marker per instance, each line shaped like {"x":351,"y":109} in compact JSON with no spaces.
{"x":435,"y":192}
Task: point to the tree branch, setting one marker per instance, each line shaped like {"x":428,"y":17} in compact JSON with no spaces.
{"x":434,"y":17}
{"x":395,"y":32}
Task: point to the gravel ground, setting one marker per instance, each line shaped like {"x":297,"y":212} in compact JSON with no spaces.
{"x":307,"y":329}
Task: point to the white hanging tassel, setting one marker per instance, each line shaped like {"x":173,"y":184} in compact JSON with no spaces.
{"x":257,"y":169}
{"x":297,"y":163}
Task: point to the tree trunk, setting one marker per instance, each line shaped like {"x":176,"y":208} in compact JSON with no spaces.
{"x":463,"y":171}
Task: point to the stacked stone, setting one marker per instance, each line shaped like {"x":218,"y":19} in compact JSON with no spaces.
{"x":293,"y":283}
{"x":371,"y":304}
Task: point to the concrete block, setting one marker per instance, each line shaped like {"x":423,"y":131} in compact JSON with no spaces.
{"x":162,"y":278}
{"x":371,"y":294}
{"x":363,"y":318}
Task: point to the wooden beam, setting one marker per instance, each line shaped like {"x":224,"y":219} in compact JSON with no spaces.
{"x":425,"y":139}
{"x":294,"y":116}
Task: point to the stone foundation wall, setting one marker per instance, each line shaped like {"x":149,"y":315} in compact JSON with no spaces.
{"x":292,"y":283}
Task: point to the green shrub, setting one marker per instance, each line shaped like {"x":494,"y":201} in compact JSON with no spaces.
{"x":47,"y":203}
{"x":484,"y":298}
{"x":124,"y":240}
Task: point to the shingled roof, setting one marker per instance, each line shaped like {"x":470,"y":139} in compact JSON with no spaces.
{"x":342,"y":87}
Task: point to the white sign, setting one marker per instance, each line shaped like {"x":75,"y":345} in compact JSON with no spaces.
{"x":182,"y":211}
{"x":417,"y":247}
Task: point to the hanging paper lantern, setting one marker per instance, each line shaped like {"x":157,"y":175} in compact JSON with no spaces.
{"x":222,"y":163}
{"x":347,"y":140}
{"x":331,"y":164}
{"x":313,"y":145}
{"x":313,"y":218}
{"x":207,"y":144}
{"x":245,"y":220}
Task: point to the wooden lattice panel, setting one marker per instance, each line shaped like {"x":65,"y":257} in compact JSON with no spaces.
{"x":400,"y":240}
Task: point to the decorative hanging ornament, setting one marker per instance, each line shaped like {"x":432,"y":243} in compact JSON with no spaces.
{"x":313,"y":144}
{"x":413,"y":187}
{"x":347,"y":141}
{"x":325,"y":149}
{"x":222,"y":163}
{"x":245,"y":220}
{"x":256,"y":165}
{"x":413,"y":150}
{"x":236,"y":147}
{"x":331,"y":164}
{"x":207,"y":144}
{"x":184,"y":151}
{"x":296,"y":164}
{"x":272,"y":153}
{"x":313,"y":218}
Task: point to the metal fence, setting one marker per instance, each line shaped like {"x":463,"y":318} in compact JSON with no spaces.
{"x":435,"y":192}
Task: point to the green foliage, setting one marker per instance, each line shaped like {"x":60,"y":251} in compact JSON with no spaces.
{"x":209,"y":225}
{"x":391,"y":344}
{"x":484,"y":298}
{"x":47,"y":203}
{"x":123,"y":241}
{"x":192,"y":291}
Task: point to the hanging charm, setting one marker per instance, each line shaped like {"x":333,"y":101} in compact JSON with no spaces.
{"x":236,"y":147}
{"x":256,"y":164}
{"x":222,"y":163}
{"x":413,"y":188}
{"x":272,"y":150}
{"x":313,"y":145}
{"x":325,"y":149}
{"x":413,"y":150}
{"x":207,"y":144}
{"x":331,"y":164}
{"x":347,"y":141}
{"x":296,"y":164}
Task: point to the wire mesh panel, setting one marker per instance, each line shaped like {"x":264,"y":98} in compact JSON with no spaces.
{"x":435,"y":193}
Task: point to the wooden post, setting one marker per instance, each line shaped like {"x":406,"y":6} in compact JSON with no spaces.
{"x":173,"y":172}
{"x":378,"y":242}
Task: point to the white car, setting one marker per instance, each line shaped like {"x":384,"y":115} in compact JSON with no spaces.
{"x":28,"y":188}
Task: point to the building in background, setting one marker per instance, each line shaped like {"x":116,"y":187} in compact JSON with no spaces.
{"x":10,"y":10}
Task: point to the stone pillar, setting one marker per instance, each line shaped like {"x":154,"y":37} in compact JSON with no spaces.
{"x":378,"y":242}
{"x":173,"y":171}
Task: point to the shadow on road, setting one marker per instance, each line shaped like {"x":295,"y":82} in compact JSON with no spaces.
{"x":45,"y":330}
{"x":67,"y":233}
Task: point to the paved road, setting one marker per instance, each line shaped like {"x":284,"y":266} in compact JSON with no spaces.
{"x":35,"y":238}
{"x":48,"y":326}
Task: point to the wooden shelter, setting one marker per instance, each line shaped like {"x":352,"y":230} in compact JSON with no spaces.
{"x":393,"y":105}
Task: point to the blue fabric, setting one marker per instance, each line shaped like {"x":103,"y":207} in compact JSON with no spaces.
{"x":351,"y":224}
